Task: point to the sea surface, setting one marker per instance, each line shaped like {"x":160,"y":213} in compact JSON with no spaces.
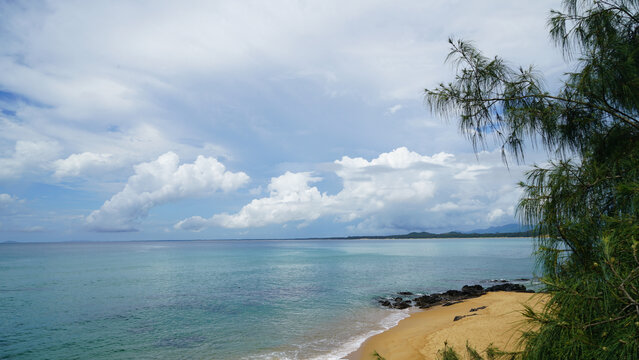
{"x":275,"y":299}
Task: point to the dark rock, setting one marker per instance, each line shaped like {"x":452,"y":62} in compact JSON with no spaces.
{"x":507,"y":287}
{"x":473,"y":290}
{"x":477,"y":308}
{"x":428,"y":300}
{"x":459,"y":317}
{"x":454,"y":295}
{"x":401,"y":305}
{"x":449,"y":297}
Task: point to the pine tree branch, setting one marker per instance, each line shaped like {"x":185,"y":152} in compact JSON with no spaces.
{"x":611,"y":111}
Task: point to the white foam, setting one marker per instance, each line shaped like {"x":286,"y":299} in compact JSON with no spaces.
{"x":354,"y":343}
{"x":342,"y":349}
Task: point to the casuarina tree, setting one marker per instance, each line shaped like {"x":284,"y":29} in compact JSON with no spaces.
{"x":584,"y":201}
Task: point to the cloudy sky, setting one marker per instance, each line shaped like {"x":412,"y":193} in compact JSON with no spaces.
{"x":248,"y":119}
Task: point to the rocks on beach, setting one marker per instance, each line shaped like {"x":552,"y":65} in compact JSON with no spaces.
{"x":509,"y":287}
{"x":477,"y":308}
{"x":459,"y":317}
{"x":449,"y":297}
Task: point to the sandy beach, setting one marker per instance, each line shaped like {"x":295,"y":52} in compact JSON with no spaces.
{"x":422,"y":334}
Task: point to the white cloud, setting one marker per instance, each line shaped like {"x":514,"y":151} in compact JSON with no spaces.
{"x":471,"y":172}
{"x":447,"y":206}
{"x":28,"y":157}
{"x":67,"y":152}
{"x":162,"y":181}
{"x":290,"y":199}
{"x":83,"y":67}
{"x":77,"y":164}
{"x":96,"y":60}
{"x":6,"y":199}
{"x":91,"y":88}
{"x":395,"y":177}
{"x":399,"y":190}
{"x":496,"y":214}
{"x":395,"y":108}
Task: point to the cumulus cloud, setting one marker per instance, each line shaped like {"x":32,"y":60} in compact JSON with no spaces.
{"x":28,"y":157}
{"x":398,"y":190}
{"x":161,"y":181}
{"x":90,"y":88}
{"x":290,"y":199}
{"x":72,"y":154}
{"x":79,"y":68}
{"x":77,"y":164}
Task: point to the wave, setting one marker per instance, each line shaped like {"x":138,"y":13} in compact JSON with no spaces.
{"x":336,"y":349}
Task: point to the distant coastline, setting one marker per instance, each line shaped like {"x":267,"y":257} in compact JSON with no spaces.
{"x":505,"y":231}
{"x":448,"y":235}
{"x":412,"y":235}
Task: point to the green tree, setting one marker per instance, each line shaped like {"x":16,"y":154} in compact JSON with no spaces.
{"x":585,"y":200}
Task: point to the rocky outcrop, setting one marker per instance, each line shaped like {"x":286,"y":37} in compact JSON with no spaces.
{"x":449,"y":297}
{"x":509,"y":287}
{"x":473,"y":290}
{"x":428,"y":300}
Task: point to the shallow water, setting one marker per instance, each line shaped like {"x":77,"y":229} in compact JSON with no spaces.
{"x":226,"y":299}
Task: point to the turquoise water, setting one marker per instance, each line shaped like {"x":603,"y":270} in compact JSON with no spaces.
{"x":279,"y":299}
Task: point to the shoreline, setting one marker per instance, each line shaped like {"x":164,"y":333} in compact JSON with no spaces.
{"x":496,"y":320}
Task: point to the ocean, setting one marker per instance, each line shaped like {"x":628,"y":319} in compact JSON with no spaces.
{"x":253,"y":299}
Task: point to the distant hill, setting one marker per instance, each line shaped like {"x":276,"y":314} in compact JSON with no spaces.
{"x":510,"y":230}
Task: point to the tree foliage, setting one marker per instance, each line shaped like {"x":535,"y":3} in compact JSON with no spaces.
{"x":585,"y":200}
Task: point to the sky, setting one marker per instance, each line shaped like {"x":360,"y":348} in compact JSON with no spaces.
{"x":142,"y":120}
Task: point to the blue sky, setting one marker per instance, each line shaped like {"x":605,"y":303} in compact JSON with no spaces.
{"x":223,"y":119}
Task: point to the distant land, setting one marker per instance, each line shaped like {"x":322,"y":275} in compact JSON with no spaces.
{"x":510,"y":230}
{"x":448,"y":235}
